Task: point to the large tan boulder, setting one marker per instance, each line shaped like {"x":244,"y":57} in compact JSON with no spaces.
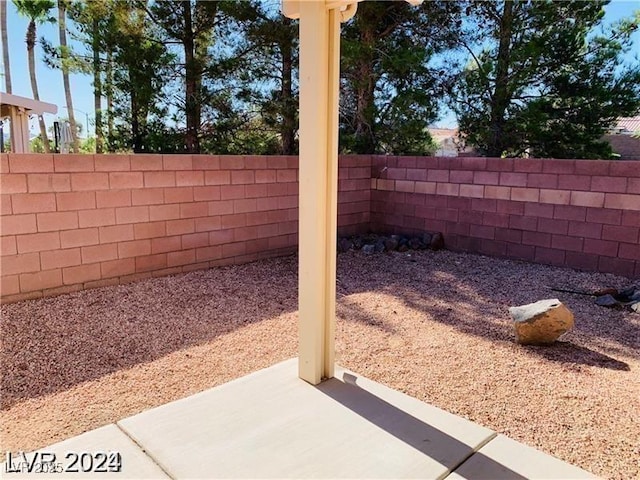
{"x":542,"y":322}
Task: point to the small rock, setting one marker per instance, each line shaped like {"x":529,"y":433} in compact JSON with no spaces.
{"x":607,"y":301}
{"x":635,"y":307}
{"x":370,"y":238}
{"x":379,"y":247}
{"x":368,"y":249}
{"x":426,"y":238}
{"x":628,"y":293}
{"x":605,"y":291}
{"x":344,"y":245}
{"x":542,"y":322}
{"x":391,"y":244}
{"x":357,"y":243}
{"x":437,"y":241}
{"x":415,"y":243}
{"x":403,"y":247}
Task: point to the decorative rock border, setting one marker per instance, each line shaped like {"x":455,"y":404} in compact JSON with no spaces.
{"x":376,"y":243}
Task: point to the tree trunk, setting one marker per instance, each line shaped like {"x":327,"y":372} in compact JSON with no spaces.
{"x":365,"y":95}
{"x":62,"y":30}
{"x":191,"y":82}
{"x":500,"y":100}
{"x":109,"y":93}
{"x":288,"y":127}
{"x":365,"y":108}
{"x":97,"y":87}
{"x":5,"y":46}
{"x":31,"y":43}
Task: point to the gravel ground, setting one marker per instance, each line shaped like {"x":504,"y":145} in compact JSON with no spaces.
{"x":434,"y":325}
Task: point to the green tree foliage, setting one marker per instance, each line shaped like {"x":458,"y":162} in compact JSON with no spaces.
{"x":190,"y":24}
{"x":524,"y":77}
{"x":254,"y":82}
{"x":131,"y":69}
{"x":542,"y":80}
{"x":389,"y":91}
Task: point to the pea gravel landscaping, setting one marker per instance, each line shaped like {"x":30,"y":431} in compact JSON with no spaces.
{"x":434,"y":325}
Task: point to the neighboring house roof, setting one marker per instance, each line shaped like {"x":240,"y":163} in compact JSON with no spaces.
{"x":627,"y":146}
{"x":439,"y":134}
{"x":447,"y":141}
{"x":627,"y":124}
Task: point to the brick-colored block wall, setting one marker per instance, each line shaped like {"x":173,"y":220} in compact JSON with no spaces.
{"x":79,"y":221}
{"x":577,"y":213}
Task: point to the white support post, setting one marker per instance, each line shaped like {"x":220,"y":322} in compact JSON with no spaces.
{"x":319,"y":92}
{"x":19,"y":130}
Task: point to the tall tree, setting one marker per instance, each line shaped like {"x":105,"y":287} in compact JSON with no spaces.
{"x":38,"y":12}
{"x":5,"y":47}
{"x":139,"y":72}
{"x":389,"y":92}
{"x":541,"y":80}
{"x":64,"y":63}
{"x":96,"y":26}
{"x":191,"y":23}
{"x":264,"y":68}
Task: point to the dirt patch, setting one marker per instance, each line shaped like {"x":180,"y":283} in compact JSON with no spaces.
{"x":434,"y":325}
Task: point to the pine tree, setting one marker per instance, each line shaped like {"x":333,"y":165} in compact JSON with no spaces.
{"x":541,"y":80}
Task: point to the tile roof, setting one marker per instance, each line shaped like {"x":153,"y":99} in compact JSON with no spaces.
{"x":629,"y":124}
{"x":626,"y":146}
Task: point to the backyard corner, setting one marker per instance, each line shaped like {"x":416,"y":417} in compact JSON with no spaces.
{"x":434,"y":325}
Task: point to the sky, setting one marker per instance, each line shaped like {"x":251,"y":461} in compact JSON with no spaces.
{"x":50,"y":81}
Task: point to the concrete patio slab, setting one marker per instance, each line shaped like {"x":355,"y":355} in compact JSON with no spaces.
{"x":503,"y":458}
{"x":134,"y":462}
{"x":271,"y":424}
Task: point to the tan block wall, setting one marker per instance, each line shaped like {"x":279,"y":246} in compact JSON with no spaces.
{"x":583,"y":214}
{"x":70,"y":222}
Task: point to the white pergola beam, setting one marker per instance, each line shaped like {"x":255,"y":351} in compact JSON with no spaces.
{"x":18,"y":109}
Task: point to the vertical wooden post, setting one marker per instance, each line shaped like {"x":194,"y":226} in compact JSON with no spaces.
{"x":19,"y":130}
{"x":319,"y":93}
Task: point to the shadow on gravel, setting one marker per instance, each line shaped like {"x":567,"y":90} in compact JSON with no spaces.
{"x":569,"y":353}
{"x":473,"y":293}
{"x":51,"y":344}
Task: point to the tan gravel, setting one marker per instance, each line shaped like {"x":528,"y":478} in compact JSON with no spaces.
{"x":432,"y":324}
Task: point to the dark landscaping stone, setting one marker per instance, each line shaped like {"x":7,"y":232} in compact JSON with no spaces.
{"x":344,"y":245}
{"x":437,"y":241}
{"x":375,"y":243}
{"x":368,"y":249}
{"x":607,"y":301}
{"x":391,"y":244}
{"x":415,"y":243}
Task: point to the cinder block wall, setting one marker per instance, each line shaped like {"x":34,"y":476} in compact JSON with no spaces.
{"x":70,"y":222}
{"x":79,"y":221}
{"x":577,"y":213}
